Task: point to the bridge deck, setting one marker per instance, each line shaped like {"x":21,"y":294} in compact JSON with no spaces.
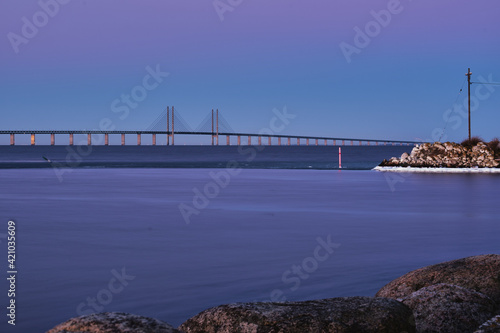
{"x":286,"y":136}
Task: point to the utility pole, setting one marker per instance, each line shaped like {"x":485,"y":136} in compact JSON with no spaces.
{"x":469,"y":83}
{"x":212,"y":127}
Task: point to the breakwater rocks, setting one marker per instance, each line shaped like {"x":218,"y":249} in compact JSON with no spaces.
{"x":448,"y":155}
{"x":344,"y":314}
{"x":456,"y":296}
{"x":113,"y":322}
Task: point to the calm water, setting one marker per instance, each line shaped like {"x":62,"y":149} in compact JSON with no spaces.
{"x":262,"y":157}
{"x":241,"y":243}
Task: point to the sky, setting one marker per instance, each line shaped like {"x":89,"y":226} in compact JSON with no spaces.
{"x":378,"y":69}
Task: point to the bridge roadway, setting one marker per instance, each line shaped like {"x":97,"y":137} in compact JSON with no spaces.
{"x":215,"y":137}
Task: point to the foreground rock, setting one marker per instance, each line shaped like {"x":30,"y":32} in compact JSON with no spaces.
{"x":490,"y":326}
{"x":449,"y":308}
{"x":113,"y":322}
{"x":479,"y":273}
{"x":346,"y":314}
{"x":456,"y":296}
{"x":448,"y":154}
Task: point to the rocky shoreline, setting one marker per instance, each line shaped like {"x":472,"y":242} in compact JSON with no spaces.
{"x":462,"y":295}
{"x":449,"y":155}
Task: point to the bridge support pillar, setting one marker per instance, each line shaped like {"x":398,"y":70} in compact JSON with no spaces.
{"x":32,"y":139}
{"x":249,"y":140}
{"x":269,"y":141}
{"x":153,"y":137}
{"x":316,"y":142}
{"x":138,"y":139}
{"x":52,"y":139}
{"x":106,"y":139}
{"x":279,"y":141}
{"x":343,"y":142}
{"x":326,"y":142}
{"x":360,"y":143}
{"x":12,"y":139}
{"x":401,"y":144}
{"x":385,"y":143}
{"x":228,"y":140}
{"x":334,"y":142}
{"x":352,"y":143}
{"x":123,"y":139}
{"x":393,"y":143}
{"x":260,"y":140}
{"x":367,"y":143}
{"x":298,"y":141}
{"x":289,"y":143}
{"x":239,"y":140}
{"x":376,"y":143}
{"x":89,"y":139}
{"x":307,"y":142}
{"x":70,"y":139}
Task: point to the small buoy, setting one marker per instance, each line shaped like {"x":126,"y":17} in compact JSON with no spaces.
{"x":340,"y":158}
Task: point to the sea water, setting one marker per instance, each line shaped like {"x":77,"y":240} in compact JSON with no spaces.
{"x":171,"y":242}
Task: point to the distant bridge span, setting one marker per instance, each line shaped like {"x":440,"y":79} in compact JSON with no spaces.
{"x":318,"y":140}
{"x":167,"y":121}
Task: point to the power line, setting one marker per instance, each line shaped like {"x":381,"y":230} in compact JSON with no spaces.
{"x":491,"y":83}
{"x":456,"y":99}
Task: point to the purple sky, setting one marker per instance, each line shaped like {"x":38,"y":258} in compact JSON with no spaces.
{"x":262,"y":55}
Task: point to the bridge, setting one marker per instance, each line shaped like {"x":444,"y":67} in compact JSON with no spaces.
{"x":214,"y":126}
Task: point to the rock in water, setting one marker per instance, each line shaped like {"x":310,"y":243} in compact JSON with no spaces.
{"x":113,"y":322}
{"x":479,"y":273}
{"x":448,"y":308}
{"x":343,"y":314}
{"x":491,"y":326}
{"x":448,"y":154}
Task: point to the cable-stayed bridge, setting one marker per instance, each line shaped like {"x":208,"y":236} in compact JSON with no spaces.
{"x":172,"y":124}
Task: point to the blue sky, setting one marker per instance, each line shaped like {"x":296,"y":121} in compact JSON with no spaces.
{"x":247,"y":58}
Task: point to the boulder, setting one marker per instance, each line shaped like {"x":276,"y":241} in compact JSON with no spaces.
{"x":479,"y":273}
{"x":490,"y":326}
{"x":113,"y":322}
{"x":448,"y":308}
{"x":446,"y":154}
{"x":343,"y":314}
